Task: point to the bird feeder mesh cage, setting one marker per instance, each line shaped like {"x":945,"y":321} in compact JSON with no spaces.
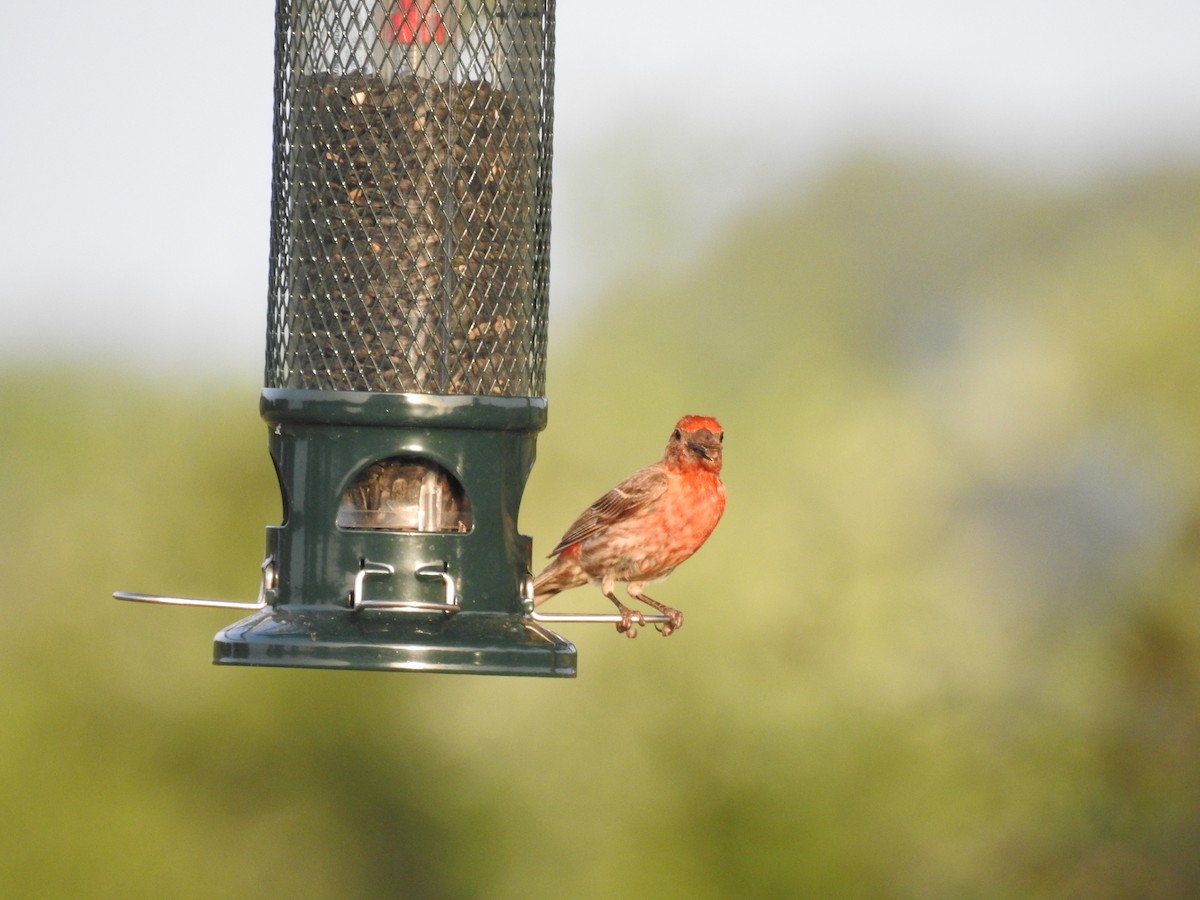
{"x":411,"y":196}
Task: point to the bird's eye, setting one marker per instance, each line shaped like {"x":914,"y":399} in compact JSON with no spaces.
{"x":721,"y":437}
{"x":675,"y":435}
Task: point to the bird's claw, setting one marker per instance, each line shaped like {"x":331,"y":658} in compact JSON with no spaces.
{"x":630,"y":620}
{"x":675,"y":621}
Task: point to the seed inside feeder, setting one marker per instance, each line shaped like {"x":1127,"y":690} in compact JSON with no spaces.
{"x":413,"y":239}
{"x":403,"y":494}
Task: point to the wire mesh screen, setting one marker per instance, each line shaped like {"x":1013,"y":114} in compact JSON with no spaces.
{"x":411,"y":196}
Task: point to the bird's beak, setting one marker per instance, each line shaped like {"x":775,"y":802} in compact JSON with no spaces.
{"x":699,"y":449}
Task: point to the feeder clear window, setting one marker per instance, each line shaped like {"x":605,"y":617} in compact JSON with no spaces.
{"x":405,"y":494}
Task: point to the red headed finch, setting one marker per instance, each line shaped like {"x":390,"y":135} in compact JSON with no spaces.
{"x":645,"y":526}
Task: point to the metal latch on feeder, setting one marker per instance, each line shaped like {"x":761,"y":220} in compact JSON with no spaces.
{"x":438,"y":570}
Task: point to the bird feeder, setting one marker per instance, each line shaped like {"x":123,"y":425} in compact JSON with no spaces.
{"x":406,"y":338}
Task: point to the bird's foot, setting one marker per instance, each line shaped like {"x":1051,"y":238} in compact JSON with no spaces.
{"x":630,"y":620}
{"x":675,"y":621}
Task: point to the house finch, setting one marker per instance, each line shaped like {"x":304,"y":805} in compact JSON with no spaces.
{"x":645,"y":526}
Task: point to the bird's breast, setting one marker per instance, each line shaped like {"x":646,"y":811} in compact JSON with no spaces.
{"x":694,"y":505}
{"x":650,"y":544}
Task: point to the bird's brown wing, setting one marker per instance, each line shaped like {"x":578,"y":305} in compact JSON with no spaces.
{"x":635,"y":492}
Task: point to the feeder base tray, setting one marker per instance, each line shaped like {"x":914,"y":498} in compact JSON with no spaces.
{"x":382,"y":640}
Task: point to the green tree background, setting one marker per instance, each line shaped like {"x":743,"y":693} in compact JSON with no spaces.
{"x":945,"y":643}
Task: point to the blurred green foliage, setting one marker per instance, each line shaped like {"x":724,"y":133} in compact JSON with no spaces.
{"x":945,"y":644}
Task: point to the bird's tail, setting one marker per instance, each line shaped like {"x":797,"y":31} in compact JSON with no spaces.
{"x":562,"y":573}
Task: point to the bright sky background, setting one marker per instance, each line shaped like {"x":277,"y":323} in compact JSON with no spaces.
{"x":135,"y":164}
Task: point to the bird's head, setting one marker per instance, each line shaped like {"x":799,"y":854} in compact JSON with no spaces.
{"x":696,"y":441}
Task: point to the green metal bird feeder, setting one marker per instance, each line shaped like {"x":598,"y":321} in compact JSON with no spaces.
{"x":406,"y":338}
